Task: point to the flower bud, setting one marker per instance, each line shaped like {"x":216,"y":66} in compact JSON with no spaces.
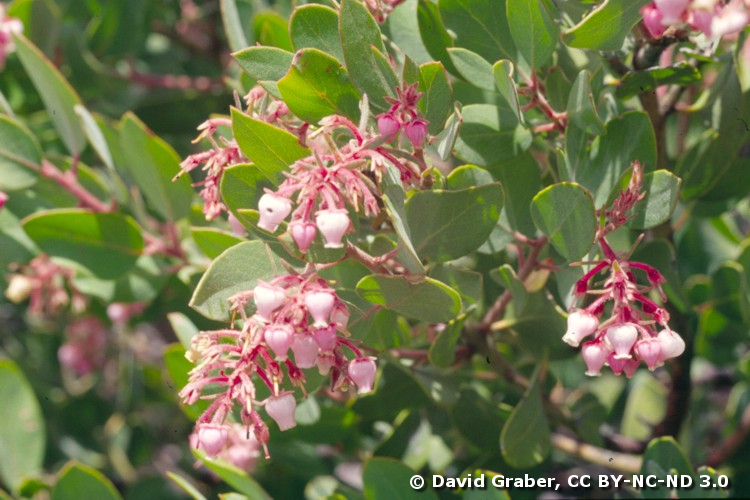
{"x":267,"y":299}
{"x":305,"y":351}
{"x":19,"y":289}
{"x":243,"y":455}
{"x":617,"y":365}
{"x":325,"y":362}
{"x":237,"y":227}
{"x":595,"y":354}
{"x":281,"y":408}
{"x":730,"y":19}
{"x":319,"y":304}
{"x":362,"y":372}
{"x":701,"y":20}
{"x":652,"y":20}
{"x":622,"y":337}
{"x":672,"y":10}
{"x":3,"y":199}
{"x":303,"y":234}
{"x":631,"y":366}
{"x":279,"y":338}
{"x":273,"y":209}
{"x":387,"y":124}
{"x":326,"y":338}
{"x":581,"y":324}
{"x":416,"y":131}
{"x":671,"y":344}
{"x":649,"y":350}
{"x":212,"y":437}
{"x":333,"y":224}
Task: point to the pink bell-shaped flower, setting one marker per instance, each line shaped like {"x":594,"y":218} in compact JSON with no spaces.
{"x":671,"y":344}
{"x":212,"y":438}
{"x":416,"y":131}
{"x":237,"y":227}
{"x":303,"y":234}
{"x":652,"y":18}
{"x":649,"y":350}
{"x":319,"y":304}
{"x":732,"y":18}
{"x":273,"y":209}
{"x":3,"y":199}
{"x":279,"y":338}
{"x":581,"y":324}
{"x":281,"y":408}
{"x":631,"y":366}
{"x":326,"y":338}
{"x":387,"y":124}
{"x":362,"y":372}
{"x":622,"y":337}
{"x":305,"y":351}
{"x":267,"y":299}
{"x":672,"y":10}
{"x":701,"y":20}
{"x":333,"y":224}
{"x":325,"y":363}
{"x":594,"y":354}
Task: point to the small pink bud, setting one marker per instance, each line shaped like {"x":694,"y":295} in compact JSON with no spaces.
{"x":237,"y":227}
{"x":652,"y":20}
{"x":3,"y":199}
{"x":631,"y":366}
{"x":19,"y":288}
{"x":279,"y":338}
{"x":416,"y":131}
{"x":303,"y":234}
{"x":701,"y":20}
{"x":281,"y":408}
{"x":333,"y":224}
{"x":362,"y":372}
{"x":617,"y":365}
{"x":267,"y":299}
{"x":273,"y":209}
{"x":387,"y":124}
{"x":326,"y":338}
{"x":649,"y":350}
{"x":212,"y":437}
{"x":243,"y":455}
{"x":340,"y":316}
{"x":671,"y":344}
{"x":305,"y":351}
{"x":595,"y":354}
{"x":622,"y":337}
{"x":672,"y":10}
{"x":581,"y":324}
{"x":319,"y":304}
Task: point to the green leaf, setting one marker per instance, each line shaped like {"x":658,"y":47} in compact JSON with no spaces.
{"x":317,"y":85}
{"x":142,"y":283}
{"x":242,"y":186}
{"x":58,"y":96}
{"x":480,"y":26}
{"x":637,"y":82}
{"x":107,"y":244}
{"x":446,"y":140}
{"x":237,"y":36}
{"x":271,"y":29}
{"x":95,"y":135}
{"x":22,"y":435}
{"x":237,"y":269}
{"x":438,"y":217}
{"x":393,"y":199}
{"x":183,"y":328}
{"x":152,"y":163}
{"x":434,"y":35}
{"x":503,"y":73}
{"x":416,"y":297}
{"x":662,"y":191}
{"x":645,"y":407}
{"x":534,"y":30}
{"x":490,"y":134}
{"x":316,"y":27}
{"x":508,"y":279}
{"x":213,"y":242}
{"x":17,"y":147}
{"x":16,"y":245}
{"x":264,"y":63}
{"x":178,"y":368}
{"x":443,"y":349}
{"x":521,"y":175}
{"x":270,"y":148}
{"x":186,"y":486}
{"x":565,"y":214}
{"x":606,"y":27}
{"x":489,"y":493}
{"x":388,"y":478}
{"x":525,"y":440}
{"x":669,"y":457}
{"x":233,"y":476}
{"x":359,"y":32}
{"x":467,"y":176}
{"x":581,"y":107}
{"x":81,"y":482}
{"x":473,"y":68}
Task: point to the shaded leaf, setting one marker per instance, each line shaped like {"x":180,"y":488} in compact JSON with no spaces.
{"x":565,"y":213}
{"x":534,"y":30}
{"x":18,"y":147}
{"x":581,"y":107}
{"x":605,"y":27}
{"x":264,"y":63}
{"x":420,"y":298}
{"x":526,"y":439}
{"x":81,"y":482}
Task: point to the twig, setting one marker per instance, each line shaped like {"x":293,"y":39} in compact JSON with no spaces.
{"x":729,"y":446}
{"x":621,"y":462}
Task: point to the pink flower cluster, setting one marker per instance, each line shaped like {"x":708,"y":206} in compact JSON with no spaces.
{"x":229,"y":442}
{"x":48,"y":286}
{"x":84,"y":347}
{"x":380,"y":9}
{"x":715,"y":18}
{"x":325,"y":183}
{"x":299,"y":323}
{"x":9,"y":26}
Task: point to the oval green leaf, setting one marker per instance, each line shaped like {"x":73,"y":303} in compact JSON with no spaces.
{"x":18,"y":148}
{"x":389,"y":478}
{"x":316,"y":27}
{"x":605,"y":27}
{"x":534,"y":29}
{"x":416,"y":297}
{"x":81,"y":482}
{"x":525,"y":440}
{"x":264,"y":63}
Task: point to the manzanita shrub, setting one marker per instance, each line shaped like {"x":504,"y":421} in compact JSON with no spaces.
{"x":431,"y":239}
